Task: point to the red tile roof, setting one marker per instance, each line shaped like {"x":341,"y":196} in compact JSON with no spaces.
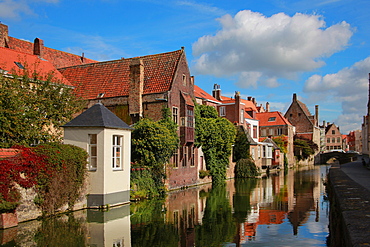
{"x":187,"y":98}
{"x":200,"y":93}
{"x":31,"y":63}
{"x":264,"y":118}
{"x":58,"y":58}
{"x":112,"y":77}
{"x":249,"y":105}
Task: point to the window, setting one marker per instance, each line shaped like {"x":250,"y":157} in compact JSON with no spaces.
{"x":254,"y":131}
{"x":333,"y":132}
{"x":328,"y":140}
{"x":184,"y":79}
{"x":272,"y":119}
{"x":279,"y":131}
{"x":92,"y":149}
{"x":117,"y":153}
{"x":191,"y":155}
{"x":264,"y":151}
{"x":19,"y":65}
{"x":190,"y":122}
{"x":175,"y":112}
{"x":333,"y":140}
{"x":241,"y":116}
{"x":222,"y":111}
{"x":271,"y":132}
{"x":176,"y":159}
{"x":263,"y":132}
{"x":338,"y":139}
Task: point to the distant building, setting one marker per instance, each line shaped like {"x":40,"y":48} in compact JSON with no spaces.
{"x":333,"y":137}
{"x":366,"y":128}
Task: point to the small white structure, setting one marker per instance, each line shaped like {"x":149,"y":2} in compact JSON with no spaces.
{"x":107,"y":139}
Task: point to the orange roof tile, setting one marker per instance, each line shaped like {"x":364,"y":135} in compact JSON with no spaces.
{"x":112,"y":77}
{"x":187,"y":98}
{"x":200,"y":93}
{"x":58,"y":58}
{"x":275,"y":117}
{"x":31,"y":64}
{"x":8,"y":152}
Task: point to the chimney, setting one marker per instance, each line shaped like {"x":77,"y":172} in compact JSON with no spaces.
{"x":136,"y":87}
{"x":38,"y":47}
{"x":249,"y":98}
{"x":4,"y":35}
{"x":216,"y":93}
{"x":267,"y":107}
{"x":324,"y":123}
{"x":294,"y":97}
{"x":83,"y":57}
{"x":317,"y":114}
{"x":238,"y":108}
{"x":254,"y":101}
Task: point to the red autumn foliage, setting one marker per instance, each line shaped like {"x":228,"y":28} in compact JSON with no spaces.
{"x":21,"y":169}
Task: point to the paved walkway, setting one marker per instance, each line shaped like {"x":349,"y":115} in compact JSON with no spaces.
{"x":357,"y":172}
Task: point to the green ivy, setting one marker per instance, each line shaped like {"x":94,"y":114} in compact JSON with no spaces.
{"x":246,"y":168}
{"x":215,"y":135}
{"x":303,"y":148}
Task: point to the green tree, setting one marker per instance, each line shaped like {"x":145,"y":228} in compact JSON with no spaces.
{"x":303,"y":148}
{"x":153,"y":144}
{"x":32,"y":109}
{"x":241,"y":147}
{"x":215,"y":135}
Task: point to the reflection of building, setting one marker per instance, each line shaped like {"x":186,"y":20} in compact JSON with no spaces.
{"x":110,"y":228}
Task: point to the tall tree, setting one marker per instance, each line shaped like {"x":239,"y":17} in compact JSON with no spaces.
{"x":32,"y":110}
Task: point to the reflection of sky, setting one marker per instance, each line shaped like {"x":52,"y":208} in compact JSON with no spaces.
{"x":310,"y":233}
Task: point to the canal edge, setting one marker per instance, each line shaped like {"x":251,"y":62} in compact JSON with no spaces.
{"x":349,"y":219}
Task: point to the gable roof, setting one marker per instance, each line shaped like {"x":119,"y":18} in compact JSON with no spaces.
{"x":249,"y":105}
{"x":98,"y":116}
{"x":19,"y":63}
{"x":264,"y":118}
{"x":112,"y":77}
{"x":201,"y":94}
{"x":57,"y":58}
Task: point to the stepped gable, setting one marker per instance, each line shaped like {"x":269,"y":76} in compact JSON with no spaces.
{"x":97,"y":116}
{"x":112,"y":78}
{"x":19,"y":63}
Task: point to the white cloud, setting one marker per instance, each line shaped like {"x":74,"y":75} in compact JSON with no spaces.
{"x":13,"y":9}
{"x":349,"y":87}
{"x":278,"y":46}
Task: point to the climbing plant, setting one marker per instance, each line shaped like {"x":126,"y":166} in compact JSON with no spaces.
{"x":56,"y":171}
{"x":215,"y":135}
{"x":153,"y":144}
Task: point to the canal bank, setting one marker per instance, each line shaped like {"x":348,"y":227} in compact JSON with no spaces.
{"x":349,"y":192}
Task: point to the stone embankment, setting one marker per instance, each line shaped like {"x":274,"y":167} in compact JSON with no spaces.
{"x":349,"y":194}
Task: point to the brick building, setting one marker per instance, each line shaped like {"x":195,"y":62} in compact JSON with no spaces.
{"x":139,"y":87}
{"x":274,"y":124}
{"x":306,"y":125}
{"x":333,"y":137}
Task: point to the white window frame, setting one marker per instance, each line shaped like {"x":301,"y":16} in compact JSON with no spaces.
{"x":222,"y":111}
{"x":117,"y":143}
{"x":93,"y":159}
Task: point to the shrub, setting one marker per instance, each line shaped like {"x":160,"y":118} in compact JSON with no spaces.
{"x":245,"y":168}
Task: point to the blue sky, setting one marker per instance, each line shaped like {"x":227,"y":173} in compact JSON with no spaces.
{"x":318,"y":49}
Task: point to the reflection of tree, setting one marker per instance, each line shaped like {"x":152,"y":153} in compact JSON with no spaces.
{"x":148,"y":227}
{"x":304,"y":201}
{"x":57,"y":230}
{"x":218,"y":225}
{"x":241,"y":198}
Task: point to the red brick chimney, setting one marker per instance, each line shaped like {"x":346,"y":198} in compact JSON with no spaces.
{"x":4,"y":35}
{"x":294,"y":97}
{"x":317,"y":114}
{"x":216,"y":93}
{"x":38,"y":47}
{"x":267,"y":107}
{"x":136,"y":88}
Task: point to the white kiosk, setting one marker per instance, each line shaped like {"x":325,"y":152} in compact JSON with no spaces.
{"x":107,"y":139}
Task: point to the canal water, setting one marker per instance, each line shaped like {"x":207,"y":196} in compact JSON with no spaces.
{"x":283,"y":209}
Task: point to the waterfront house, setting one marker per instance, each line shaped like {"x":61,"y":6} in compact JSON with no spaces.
{"x":107,"y":139}
{"x":274,"y":124}
{"x":333,"y":137}
{"x":141,"y":87}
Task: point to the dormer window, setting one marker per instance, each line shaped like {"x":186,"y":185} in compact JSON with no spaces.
{"x":272,"y":119}
{"x":184,"y":79}
{"x":19,"y":65}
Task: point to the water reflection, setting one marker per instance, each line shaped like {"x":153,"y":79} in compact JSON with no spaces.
{"x":280,"y":210}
